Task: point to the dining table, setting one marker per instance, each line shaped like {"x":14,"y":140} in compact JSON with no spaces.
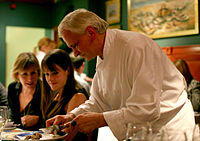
{"x":15,"y":133}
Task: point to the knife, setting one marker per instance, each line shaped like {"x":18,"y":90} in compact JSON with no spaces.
{"x":55,"y":129}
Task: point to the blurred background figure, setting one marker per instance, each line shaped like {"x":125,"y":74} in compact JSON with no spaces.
{"x":193,"y":86}
{"x":24,"y":94}
{"x":80,"y":76}
{"x":53,"y":45}
{"x":3,"y":95}
{"x":44,"y":45}
{"x":61,"y":92}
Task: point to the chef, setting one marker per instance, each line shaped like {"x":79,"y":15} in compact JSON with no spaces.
{"x":135,"y":82}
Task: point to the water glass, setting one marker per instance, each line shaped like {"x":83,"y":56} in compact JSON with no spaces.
{"x":196,"y":133}
{"x":129,"y":132}
{"x":139,"y":132}
{"x":166,"y":134}
{"x":3,"y":117}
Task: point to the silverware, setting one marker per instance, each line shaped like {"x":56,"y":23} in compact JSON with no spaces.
{"x":55,"y":129}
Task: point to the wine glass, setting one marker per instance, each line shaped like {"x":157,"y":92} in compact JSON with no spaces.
{"x":3,"y":118}
{"x":129,"y":132}
{"x":168,"y":134}
{"x":196,"y":133}
{"x":139,"y":132}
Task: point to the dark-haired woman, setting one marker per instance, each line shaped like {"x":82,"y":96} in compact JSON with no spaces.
{"x":61,"y":93}
{"x":193,"y":85}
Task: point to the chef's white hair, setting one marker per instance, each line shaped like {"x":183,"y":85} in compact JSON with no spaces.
{"x":78,"y":20}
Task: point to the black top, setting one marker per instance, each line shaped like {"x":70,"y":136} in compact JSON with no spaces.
{"x":61,"y":111}
{"x":80,"y":136}
{"x":33,"y":108}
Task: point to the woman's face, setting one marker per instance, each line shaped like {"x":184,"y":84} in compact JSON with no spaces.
{"x":29,"y":77}
{"x":56,"y":79}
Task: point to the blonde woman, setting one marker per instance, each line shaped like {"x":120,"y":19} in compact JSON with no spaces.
{"x":24,"y":94}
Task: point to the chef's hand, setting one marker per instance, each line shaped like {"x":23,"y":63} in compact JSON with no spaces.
{"x":59,"y":119}
{"x":89,"y":121}
{"x":29,"y":120}
{"x":71,"y":130}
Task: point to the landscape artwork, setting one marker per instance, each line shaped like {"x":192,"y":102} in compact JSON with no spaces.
{"x":163,"y":18}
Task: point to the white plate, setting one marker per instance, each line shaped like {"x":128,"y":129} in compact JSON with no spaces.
{"x":45,"y":137}
{"x":10,"y":126}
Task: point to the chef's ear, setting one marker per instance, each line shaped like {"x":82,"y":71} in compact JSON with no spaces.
{"x":91,"y":31}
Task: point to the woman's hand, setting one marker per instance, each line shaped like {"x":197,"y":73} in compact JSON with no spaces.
{"x":59,"y":119}
{"x":29,"y":120}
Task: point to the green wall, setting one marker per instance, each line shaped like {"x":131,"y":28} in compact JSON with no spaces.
{"x":32,"y":15}
{"x":2,"y":53}
{"x":17,"y":42}
{"x":49,"y":16}
{"x":25,"y":15}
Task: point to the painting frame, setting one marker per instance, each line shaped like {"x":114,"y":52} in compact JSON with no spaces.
{"x":113,"y":11}
{"x":118,"y":26}
{"x":185,"y":22}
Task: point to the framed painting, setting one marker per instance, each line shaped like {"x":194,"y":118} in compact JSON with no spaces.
{"x":163,"y":18}
{"x":113,"y":11}
{"x":118,"y":26}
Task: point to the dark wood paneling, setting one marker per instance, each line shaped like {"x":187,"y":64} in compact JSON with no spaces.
{"x":189,"y":53}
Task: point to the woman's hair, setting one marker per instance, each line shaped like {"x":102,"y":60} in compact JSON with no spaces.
{"x":182,"y":66}
{"x":78,"y":20}
{"x":23,"y":61}
{"x":53,"y":45}
{"x":45,"y":41}
{"x":61,"y":58}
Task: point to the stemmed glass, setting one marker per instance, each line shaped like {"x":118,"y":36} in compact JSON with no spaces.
{"x":196,"y":133}
{"x":3,"y":118}
{"x":129,"y":132}
{"x":139,"y":132}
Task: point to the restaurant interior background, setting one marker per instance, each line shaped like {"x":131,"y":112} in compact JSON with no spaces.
{"x":22,"y":24}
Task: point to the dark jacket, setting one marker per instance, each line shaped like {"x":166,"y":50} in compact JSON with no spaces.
{"x":80,"y":136}
{"x":33,"y":108}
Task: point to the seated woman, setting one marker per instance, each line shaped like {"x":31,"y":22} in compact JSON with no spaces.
{"x":193,"y":86}
{"x":61,"y":93}
{"x":24,"y":94}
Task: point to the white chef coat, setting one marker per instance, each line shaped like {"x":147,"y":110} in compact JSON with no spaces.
{"x":40,"y":55}
{"x":136,"y":82}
